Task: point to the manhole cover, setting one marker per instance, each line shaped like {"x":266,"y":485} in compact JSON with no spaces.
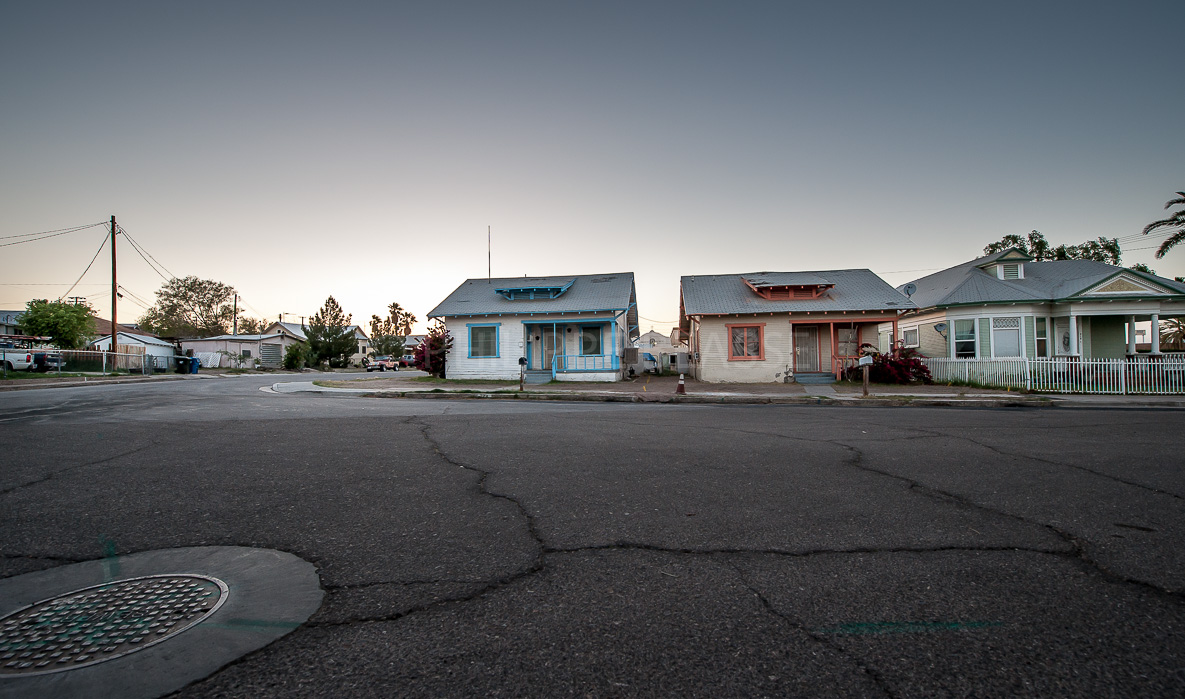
{"x":102,"y":622}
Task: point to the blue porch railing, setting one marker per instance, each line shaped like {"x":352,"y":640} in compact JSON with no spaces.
{"x":584,"y":362}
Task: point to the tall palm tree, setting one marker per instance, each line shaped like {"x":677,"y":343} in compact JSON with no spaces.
{"x":1177,"y":220}
{"x":1172,"y":333}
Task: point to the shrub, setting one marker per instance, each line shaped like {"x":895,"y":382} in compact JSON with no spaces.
{"x":435,"y":347}
{"x":901,"y":365}
{"x":294,"y":357}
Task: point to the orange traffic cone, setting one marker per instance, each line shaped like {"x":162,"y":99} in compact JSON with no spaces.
{"x":681,"y":390}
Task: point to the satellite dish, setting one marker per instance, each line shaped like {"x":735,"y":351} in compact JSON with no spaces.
{"x":909,"y":288}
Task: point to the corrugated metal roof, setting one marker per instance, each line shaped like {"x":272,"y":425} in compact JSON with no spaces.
{"x":1043,"y":282}
{"x":589,"y":292}
{"x":854,"y":290}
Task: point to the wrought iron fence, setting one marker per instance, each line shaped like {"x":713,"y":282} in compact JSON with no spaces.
{"x":1150,"y":374}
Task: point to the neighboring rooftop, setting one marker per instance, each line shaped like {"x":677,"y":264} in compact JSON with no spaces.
{"x":837,"y":290}
{"x":974,"y":282}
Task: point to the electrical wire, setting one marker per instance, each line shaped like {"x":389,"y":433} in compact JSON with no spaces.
{"x":143,"y":253}
{"x":88,"y":267}
{"x":52,"y":235}
{"x":60,"y":231}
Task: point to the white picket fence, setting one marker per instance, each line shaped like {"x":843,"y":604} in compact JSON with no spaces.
{"x":1163,"y":374}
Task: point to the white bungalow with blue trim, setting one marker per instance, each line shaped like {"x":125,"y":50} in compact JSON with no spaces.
{"x":572,"y":328}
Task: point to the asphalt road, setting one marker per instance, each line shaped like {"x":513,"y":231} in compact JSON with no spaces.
{"x":549,"y":549}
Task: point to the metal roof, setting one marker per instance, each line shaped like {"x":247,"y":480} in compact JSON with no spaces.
{"x":761,"y":279}
{"x":589,"y":292}
{"x":853,"y":290}
{"x":967,"y":284}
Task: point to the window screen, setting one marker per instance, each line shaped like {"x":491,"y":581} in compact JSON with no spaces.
{"x":483,"y":341}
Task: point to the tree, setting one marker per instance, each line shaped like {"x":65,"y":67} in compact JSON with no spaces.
{"x":1172,"y":333}
{"x":1101,"y":250}
{"x":1141,"y":267}
{"x":191,"y":307}
{"x":432,"y":354}
{"x":71,"y":326}
{"x":1177,"y":221}
{"x":387,"y":334}
{"x":252,"y":326}
{"x":329,"y":335}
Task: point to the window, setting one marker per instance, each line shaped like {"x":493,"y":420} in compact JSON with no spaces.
{"x":590,"y":340}
{"x":1042,"y":335}
{"x":246,"y":354}
{"x":848,"y":340}
{"x":745,"y":342}
{"x":1012,"y":271}
{"x":1006,"y":337}
{"x":964,"y":339}
{"x":909,"y":337}
{"x":483,"y":340}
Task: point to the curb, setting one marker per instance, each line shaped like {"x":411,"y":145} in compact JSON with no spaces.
{"x":99,"y":381}
{"x":693,"y":399}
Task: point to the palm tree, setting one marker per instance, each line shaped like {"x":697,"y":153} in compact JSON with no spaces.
{"x":1177,"y":221}
{"x":1172,"y":332}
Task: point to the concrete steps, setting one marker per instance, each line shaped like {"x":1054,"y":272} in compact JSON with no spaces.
{"x":538,"y":377}
{"x":814,"y":378}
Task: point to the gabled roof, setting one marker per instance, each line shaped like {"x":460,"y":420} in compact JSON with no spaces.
{"x":296,"y":330}
{"x":103,"y":327}
{"x":589,"y":292}
{"x":254,"y":337}
{"x":142,"y":339}
{"x":1057,"y":280}
{"x":851,"y":290}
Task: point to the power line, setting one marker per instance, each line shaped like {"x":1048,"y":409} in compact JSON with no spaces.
{"x":71,"y":229}
{"x":142,"y":252}
{"x":52,"y":235}
{"x":88,"y":267}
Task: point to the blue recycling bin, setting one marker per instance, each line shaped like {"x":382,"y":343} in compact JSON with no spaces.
{"x":194,"y":365}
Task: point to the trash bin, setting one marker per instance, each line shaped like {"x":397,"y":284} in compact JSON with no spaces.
{"x":182,"y":365}
{"x":194,"y":365}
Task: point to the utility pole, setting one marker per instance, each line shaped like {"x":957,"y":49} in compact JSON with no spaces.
{"x":76,"y":299}
{"x":114,"y":292}
{"x":489,"y":255}
{"x":235,"y":331}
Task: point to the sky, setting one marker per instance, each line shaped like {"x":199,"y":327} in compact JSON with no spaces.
{"x":297,"y":150}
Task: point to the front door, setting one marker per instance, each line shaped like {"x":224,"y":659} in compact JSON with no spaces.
{"x":806,"y":348}
{"x":547,"y":347}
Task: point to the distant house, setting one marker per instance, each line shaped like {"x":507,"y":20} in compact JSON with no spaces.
{"x":1008,"y":305}
{"x":237,"y":351}
{"x":161,"y":350}
{"x":296,"y":331}
{"x":570,"y":328}
{"x":10,"y":322}
{"x":784,"y":326}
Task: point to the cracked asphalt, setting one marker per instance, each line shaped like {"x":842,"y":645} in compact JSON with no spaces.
{"x":551,"y":549}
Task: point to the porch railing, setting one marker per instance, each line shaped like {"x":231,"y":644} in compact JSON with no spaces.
{"x":840,"y":364}
{"x":1156,"y":374}
{"x":584,"y":362}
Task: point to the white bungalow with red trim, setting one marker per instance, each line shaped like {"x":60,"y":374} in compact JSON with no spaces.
{"x":784,"y":326}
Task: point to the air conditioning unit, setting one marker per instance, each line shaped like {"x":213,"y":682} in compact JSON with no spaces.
{"x":630,"y":356}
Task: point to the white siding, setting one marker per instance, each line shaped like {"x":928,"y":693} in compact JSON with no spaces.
{"x":512,"y":341}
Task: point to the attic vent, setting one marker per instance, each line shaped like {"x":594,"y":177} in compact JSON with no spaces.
{"x":1012,"y":271}
{"x":598,"y":280}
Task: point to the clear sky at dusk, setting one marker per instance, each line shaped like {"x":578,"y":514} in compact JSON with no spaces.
{"x":296,"y":150}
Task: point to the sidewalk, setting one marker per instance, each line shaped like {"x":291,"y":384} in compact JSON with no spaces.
{"x":662,"y":389}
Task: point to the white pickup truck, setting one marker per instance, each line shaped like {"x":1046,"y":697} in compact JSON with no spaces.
{"x":14,"y":358}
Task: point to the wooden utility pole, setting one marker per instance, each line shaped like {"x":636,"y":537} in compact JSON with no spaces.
{"x":114,"y":292}
{"x":235,"y":331}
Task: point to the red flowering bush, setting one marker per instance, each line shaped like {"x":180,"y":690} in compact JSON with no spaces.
{"x":901,"y":365}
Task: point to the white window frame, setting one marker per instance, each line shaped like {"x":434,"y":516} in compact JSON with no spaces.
{"x":1020,"y":330}
{"x":917,"y":331}
{"x":954,"y":341}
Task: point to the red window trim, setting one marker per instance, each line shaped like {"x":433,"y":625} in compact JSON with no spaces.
{"x":760,"y":341}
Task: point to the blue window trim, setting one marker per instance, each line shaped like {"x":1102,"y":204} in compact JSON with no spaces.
{"x":600,"y":340}
{"x":497,"y":339}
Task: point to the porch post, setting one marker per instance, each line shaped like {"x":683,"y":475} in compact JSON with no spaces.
{"x":1155,"y":333}
{"x":613,"y":332}
{"x":834,"y":364}
{"x":1131,"y":336}
{"x":894,"y":337}
{"x":793,"y":357}
{"x":1073,"y":336}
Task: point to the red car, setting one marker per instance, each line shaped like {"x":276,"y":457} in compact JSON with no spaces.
{"x":382,"y":363}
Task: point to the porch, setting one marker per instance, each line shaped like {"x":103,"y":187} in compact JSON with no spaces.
{"x":1162,"y":374}
{"x":571,"y":350}
{"x":825,"y":350}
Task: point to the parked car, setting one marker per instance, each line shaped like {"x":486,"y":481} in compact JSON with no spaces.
{"x":382,"y":363}
{"x":44,"y":361}
{"x":407,"y":360}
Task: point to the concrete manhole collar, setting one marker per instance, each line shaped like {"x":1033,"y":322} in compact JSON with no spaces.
{"x":104,"y":622}
{"x":146,"y":624}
